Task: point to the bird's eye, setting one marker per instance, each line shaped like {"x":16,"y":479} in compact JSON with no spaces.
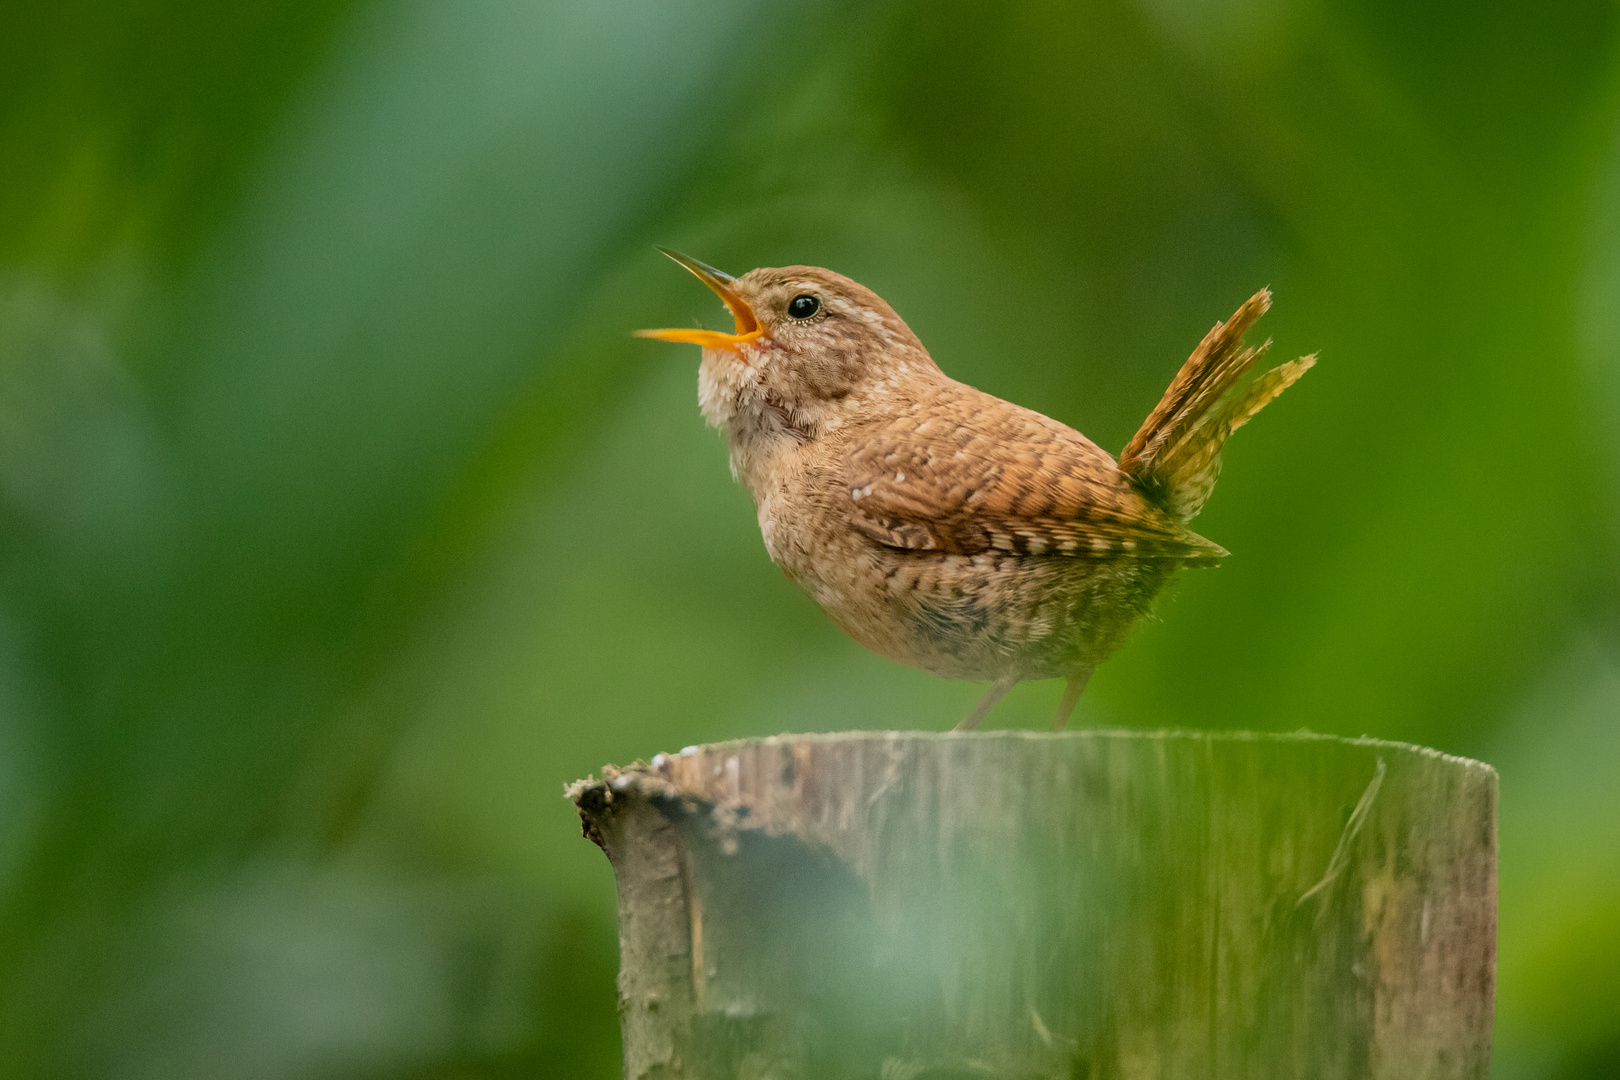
{"x":803,"y":306}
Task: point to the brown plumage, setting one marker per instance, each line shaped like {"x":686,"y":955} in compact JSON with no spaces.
{"x":940,"y":526}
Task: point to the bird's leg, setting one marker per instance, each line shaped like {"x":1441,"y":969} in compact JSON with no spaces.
{"x":986,"y":703}
{"x":1071,"y":694}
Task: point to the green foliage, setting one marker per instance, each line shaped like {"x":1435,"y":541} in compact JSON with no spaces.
{"x":341,"y":521}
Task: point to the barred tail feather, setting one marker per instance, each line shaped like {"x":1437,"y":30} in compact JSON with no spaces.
{"x":1176,"y":455}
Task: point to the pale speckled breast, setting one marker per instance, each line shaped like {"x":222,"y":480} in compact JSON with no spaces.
{"x":958,"y":616}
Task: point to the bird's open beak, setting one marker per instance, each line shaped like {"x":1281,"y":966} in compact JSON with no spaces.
{"x":748,"y":328}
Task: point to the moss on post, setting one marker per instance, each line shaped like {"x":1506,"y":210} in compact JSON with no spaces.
{"x":909,"y":906}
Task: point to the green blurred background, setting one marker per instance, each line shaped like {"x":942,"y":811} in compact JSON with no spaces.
{"x":341,"y":521}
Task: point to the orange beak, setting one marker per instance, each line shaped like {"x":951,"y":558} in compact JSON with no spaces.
{"x":748,"y":328}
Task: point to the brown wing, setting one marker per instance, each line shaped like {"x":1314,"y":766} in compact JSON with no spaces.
{"x":967,"y":473}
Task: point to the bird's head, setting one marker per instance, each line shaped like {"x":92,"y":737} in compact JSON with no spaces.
{"x":810,"y":345}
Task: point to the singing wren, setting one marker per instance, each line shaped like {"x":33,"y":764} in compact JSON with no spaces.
{"x":940,"y":526}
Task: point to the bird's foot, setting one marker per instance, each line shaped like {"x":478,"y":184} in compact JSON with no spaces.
{"x":1071,"y":695}
{"x":986,"y":703}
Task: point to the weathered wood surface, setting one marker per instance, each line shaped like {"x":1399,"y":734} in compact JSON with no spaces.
{"x":1090,"y":904}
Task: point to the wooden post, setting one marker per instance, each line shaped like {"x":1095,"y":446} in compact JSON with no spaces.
{"x":1090,"y":904}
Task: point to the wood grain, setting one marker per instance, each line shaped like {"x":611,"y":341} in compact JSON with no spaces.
{"x":1092,"y":904}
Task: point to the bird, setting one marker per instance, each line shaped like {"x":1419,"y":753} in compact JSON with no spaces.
{"x":940,"y":526}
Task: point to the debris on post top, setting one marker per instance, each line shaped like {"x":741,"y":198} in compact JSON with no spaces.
{"x":912,"y":906}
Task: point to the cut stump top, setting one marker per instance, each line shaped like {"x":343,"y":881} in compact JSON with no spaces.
{"x":920,"y":906}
